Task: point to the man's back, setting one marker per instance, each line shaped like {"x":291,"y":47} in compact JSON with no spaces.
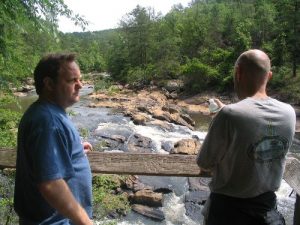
{"x":251,"y":139}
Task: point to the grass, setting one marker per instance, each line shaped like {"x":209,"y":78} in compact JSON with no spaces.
{"x":106,"y":198}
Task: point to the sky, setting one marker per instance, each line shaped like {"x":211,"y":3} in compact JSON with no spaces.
{"x":106,"y":14}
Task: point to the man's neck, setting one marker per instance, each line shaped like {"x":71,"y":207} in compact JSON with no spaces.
{"x":259,"y":95}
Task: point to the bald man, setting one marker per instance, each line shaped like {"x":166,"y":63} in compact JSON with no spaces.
{"x":245,"y":149}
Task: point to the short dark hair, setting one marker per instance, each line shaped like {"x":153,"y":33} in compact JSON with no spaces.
{"x":49,"y":66}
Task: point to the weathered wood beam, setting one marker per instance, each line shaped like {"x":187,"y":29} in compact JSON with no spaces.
{"x":153,"y":164}
{"x":130,"y":163}
{"x":7,"y":158}
{"x":145,"y":164}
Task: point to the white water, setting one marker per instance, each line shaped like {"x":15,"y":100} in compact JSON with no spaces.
{"x":157,"y":135}
{"x":173,"y":205}
{"x":174,"y":210}
{"x":286,"y":202}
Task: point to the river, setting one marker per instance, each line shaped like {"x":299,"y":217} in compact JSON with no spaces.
{"x":97,"y":121}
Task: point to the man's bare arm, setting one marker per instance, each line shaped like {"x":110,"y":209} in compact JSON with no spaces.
{"x":60,"y":197}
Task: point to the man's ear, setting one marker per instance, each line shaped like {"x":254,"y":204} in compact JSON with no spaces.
{"x":270,"y":74}
{"x":48,"y":84}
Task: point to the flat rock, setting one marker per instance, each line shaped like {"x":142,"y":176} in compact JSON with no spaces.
{"x":152,"y":213}
{"x":147,"y":197}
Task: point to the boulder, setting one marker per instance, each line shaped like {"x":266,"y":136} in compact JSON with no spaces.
{"x":174,"y":85}
{"x":186,"y":146}
{"x":143,"y":108}
{"x":177,"y":119}
{"x":161,"y":115}
{"x":152,"y":213}
{"x":134,"y":184}
{"x":147,"y":197}
{"x":20,"y":94}
{"x":193,"y":211}
{"x":138,"y":143}
{"x":29,"y":81}
{"x":188,"y":119}
{"x":158,"y":97}
{"x":165,"y":184}
{"x":167,"y":145}
{"x":171,"y":108}
{"x":140,"y":118}
{"x":196,"y":197}
{"x":198,"y":183}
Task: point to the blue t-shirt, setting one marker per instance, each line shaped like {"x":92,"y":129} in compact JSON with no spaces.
{"x":49,"y":148}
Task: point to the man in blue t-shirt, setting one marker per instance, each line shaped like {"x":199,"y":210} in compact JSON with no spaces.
{"x":53,"y":177}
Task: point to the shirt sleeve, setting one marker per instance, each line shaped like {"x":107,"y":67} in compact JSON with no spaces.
{"x":50,"y":154}
{"x":215,"y":143}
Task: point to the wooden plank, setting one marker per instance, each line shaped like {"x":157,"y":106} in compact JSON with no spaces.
{"x":7,"y":158}
{"x":130,"y":163}
{"x":153,"y":164}
{"x":292,"y":173}
{"x":145,"y":164}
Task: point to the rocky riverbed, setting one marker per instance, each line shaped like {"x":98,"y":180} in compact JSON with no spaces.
{"x":152,"y":120}
{"x":148,"y":121}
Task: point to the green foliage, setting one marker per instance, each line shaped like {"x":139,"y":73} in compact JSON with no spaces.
{"x":149,"y":46}
{"x":198,"y":75}
{"x":102,"y":83}
{"x":101,"y":146}
{"x":138,"y":76}
{"x":105,"y":199}
{"x":71,"y":112}
{"x":23,"y":23}
{"x":286,"y":85}
{"x":9,"y":121}
{"x":84,"y":132}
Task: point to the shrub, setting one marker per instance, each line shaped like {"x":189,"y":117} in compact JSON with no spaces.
{"x":199,"y":76}
{"x":9,"y":121}
{"x":138,"y":76}
{"x":102,"y":83}
{"x":105,"y":199}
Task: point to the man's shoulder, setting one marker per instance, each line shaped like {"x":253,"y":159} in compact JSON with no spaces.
{"x":42,"y":113}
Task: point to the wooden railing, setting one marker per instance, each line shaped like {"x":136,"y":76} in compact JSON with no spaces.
{"x":129,"y":163}
{"x":153,"y":164}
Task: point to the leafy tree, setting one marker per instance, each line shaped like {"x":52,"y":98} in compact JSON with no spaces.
{"x":28,"y":29}
{"x":138,"y":30}
{"x":288,"y":33}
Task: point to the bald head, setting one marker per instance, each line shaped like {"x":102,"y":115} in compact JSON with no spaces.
{"x":253,"y":70}
{"x":254,"y":62}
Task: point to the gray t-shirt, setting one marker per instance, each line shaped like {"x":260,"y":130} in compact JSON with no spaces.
{"x":246,"y":147}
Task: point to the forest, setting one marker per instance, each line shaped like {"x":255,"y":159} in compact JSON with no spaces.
{"x":197,"y":44}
